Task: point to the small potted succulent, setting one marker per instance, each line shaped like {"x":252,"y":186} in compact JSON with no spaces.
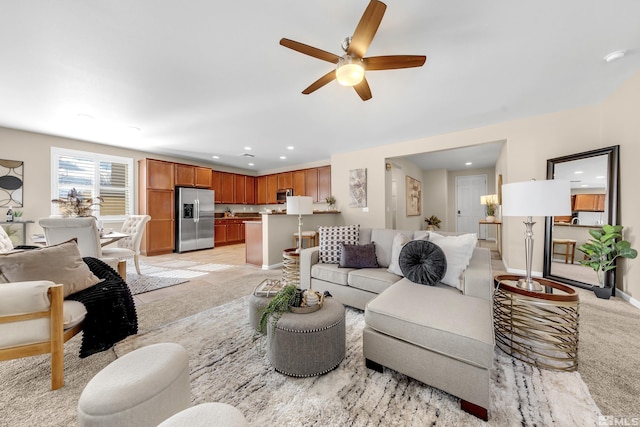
{"x":602,"y":251}
{"x":17,"y":216}
{"x":432,"y":222}
{"x":331,"y":203}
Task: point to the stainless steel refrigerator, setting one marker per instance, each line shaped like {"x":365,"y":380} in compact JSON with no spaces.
{"x":194,"y":219}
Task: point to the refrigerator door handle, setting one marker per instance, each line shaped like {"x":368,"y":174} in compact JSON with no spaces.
{"x":197,"y":213}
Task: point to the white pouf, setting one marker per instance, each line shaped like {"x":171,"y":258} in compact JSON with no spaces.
{"x":142,"y":388}
{"x":207,"y":415}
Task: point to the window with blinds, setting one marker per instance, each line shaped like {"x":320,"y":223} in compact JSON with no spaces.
{"x":94,"y":175}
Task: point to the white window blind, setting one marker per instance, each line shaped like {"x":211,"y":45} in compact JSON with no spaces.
{"x":94,"y":175}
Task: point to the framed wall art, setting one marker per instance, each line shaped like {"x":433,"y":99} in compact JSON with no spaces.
{"x":11,"y":183}
{"x":414,"y":196}
{"x":358,"y":188}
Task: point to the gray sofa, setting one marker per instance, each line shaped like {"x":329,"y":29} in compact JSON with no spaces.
{"x":439,"y":335}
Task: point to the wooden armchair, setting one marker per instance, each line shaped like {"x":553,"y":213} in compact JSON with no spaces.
{"x":35,"y":319}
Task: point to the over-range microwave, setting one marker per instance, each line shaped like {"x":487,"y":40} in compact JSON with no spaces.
{"x":282,"y":194}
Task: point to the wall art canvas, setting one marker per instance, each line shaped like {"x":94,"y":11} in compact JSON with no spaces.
{"x":414,"y":197}
{"x":358,"y":188}
{"x":11,"y":183}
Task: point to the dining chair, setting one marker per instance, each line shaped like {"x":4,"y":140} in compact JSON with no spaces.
{"x":85,"y":231}
{"x":129,"y":247}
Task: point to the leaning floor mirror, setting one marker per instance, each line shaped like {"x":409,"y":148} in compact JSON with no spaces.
{"x":594,"y":201}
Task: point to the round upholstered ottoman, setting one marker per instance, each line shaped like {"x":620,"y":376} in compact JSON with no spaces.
{"x":256,"y":306}
{"x":142,"y":388}
{"x":303,"y":345}
{"x":207,"y":415}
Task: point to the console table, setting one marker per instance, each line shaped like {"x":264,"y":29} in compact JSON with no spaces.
{"x":498,"y":225}
{"x":24,"y":228}
{"x":539,"y":328}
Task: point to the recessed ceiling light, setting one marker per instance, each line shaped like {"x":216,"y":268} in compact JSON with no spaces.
{"x":578,"y":172}
{"x":134,"y":128}
{"x":584,"y":185}
{"x":251,"y":164}
{"x":247,"y":148}
{"x":290,"y":147}
{"x":600,"y":177}
{"x":215,"y":157}
{"x":468,"y":164}
{"x":283,"y":157}
{"x":85,"y":117}
{"x":613,"y":56}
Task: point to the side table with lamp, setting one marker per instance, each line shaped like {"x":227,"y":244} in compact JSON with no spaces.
{"x":536,"y":321}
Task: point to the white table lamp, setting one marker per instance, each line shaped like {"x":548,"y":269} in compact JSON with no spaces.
{"x":535,"y":198}
{"x":299,"y":205}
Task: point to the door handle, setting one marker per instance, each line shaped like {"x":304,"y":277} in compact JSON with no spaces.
{"x":197,"y":213}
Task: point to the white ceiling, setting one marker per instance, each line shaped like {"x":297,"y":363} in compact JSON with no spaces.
{"x":203,"y":78}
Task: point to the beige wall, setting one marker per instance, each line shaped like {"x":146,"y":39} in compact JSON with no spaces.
{"x":529,"y":143}
{"x":34,"y":150}
{"x":435,"y":194}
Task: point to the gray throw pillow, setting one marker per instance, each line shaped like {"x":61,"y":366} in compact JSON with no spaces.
{"x":423,"y":262}
{"x":60,"y":263}
{"x":358,"y":256}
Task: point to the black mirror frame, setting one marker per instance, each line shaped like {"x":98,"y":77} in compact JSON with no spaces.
{"x":612,"y":154}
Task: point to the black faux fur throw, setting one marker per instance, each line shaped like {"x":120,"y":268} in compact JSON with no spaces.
{"x":111,"y":312}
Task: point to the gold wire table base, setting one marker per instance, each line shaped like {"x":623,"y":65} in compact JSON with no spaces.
{"x":538,"y":328}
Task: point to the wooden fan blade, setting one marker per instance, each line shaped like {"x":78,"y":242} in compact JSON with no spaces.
{"x":327,"y":78}
{"x":310,"y":50}
{"x":366,"y":29}
{"x":393,"y":62}
{"x":363,"y":89}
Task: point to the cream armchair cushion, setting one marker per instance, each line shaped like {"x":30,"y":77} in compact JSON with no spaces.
{"x":6,"y":245}
{"x":32,"y":297}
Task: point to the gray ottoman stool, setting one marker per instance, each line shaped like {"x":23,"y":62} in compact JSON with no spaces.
{"x":207,"y":415}
{"x":303,"y":345}
{"x":256,"y":305}
{"x":142,"y":388}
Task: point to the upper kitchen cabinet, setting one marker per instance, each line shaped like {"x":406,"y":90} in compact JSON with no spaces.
{"x":285,"y":180}
{"x":324,"y":182}
{"x":250,"y":190}
{"x":261,"y":190}
{"x":227,"y":187}
{"x":311,"y":183}
{"x":589,"y":202}
{"x":156,"y":174}
{"x":272,"y":188}
{"x":192,"y":176}
{"x":298,"y":183}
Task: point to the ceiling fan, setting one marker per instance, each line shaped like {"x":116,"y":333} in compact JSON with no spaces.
{"x":352,"y":65}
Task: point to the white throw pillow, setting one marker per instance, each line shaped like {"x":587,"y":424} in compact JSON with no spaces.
{"x":398,"y":242}
{"x":458,"y":250}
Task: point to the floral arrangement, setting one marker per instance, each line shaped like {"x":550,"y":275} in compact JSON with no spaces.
{"x":76,"y":205}
{"x":433,"y":221}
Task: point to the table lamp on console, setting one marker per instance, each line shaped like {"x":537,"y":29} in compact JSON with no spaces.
{"x":535,"y":198}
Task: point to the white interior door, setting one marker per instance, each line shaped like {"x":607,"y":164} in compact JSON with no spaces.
{"x":469,"y":211}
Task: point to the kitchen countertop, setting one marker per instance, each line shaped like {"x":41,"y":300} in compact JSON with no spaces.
{"x":566,"y":224}
{"x":314,"y":212}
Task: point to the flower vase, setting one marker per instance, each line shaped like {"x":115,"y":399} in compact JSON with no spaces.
{"x":490,"y":218}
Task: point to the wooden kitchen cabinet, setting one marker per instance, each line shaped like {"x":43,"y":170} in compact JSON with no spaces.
{"x":239,"y":196}
{"x":192,"y":176}
{"x":156,"y":199}
{"x":311,"y":183}
{"x":298,"y":183}
{"x":219,"y":232}
{"x":285,"y":180}
{"x":227,"y":187}
{"x":250,"y":190}
{"x":261,"y":190}
{"x":272,"y":188}
{"x":234,"y":235}
{"x":216,"y":185}
{"x":589,"y":202}
{"x":324,"y":182}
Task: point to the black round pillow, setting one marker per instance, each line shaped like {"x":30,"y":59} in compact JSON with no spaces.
{"x":423,"y":262}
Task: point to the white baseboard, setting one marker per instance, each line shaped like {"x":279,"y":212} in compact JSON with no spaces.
{"x":271,"y":267}
{"x":634,"y":302}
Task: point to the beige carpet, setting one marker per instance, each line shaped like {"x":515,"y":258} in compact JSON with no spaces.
{"x":228,"y":365}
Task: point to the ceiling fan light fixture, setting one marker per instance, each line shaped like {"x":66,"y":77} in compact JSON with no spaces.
{"x":349,"y":71}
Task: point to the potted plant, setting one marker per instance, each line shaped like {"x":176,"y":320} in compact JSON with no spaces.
{"x":286,"y":297}
{"x":331,"y":202}
{"x":602,"y":251}
{"x":432,"y":221}
{"x":76,"y":205}
{"x":17,"y":216}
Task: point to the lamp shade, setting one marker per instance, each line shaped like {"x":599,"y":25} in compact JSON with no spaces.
{"x":299,"y":205}
{"x":550,"y":197}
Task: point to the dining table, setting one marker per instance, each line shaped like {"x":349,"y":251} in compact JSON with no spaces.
{"x":105,"y":238}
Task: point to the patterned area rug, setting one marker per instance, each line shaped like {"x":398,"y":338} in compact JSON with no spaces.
{"x":167,"y":274}
{"x":228,"y":364}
